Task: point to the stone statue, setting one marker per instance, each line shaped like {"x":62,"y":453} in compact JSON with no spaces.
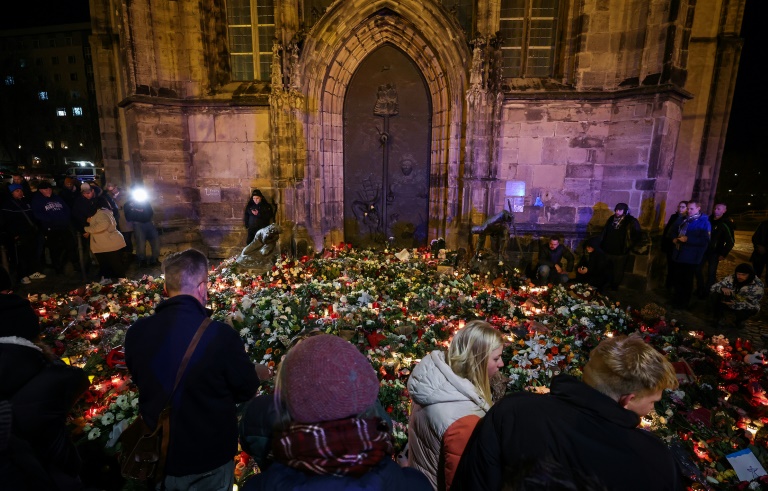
{"x":276,"y":68}
{"x":260,"y":255}
{"x":497,"y":227}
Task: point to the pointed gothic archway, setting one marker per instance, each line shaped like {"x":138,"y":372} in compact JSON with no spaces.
{"x":339,"y":43}
{"x":387,"y":113}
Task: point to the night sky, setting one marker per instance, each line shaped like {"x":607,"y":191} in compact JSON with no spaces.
{"x":746,"y":148}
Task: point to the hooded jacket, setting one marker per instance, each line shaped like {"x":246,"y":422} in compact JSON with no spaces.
{"x":747,"y":295}
{"x":41,"y":393}
{"x":445,"y":411}
{"x":103,"y":232}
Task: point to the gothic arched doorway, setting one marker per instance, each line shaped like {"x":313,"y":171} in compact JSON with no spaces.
{"x":387,"y":133}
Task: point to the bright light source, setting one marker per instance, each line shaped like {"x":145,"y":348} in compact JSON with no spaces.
{"x":140,"y":195}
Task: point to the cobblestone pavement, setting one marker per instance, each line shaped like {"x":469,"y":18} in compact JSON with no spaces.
{"x":697,"y":318}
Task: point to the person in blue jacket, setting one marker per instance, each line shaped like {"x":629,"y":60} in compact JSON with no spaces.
{"x":690,"y":243}
{"x":329,"y":435}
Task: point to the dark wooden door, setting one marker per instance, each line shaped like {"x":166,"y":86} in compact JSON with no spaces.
{"x":387,"y":129}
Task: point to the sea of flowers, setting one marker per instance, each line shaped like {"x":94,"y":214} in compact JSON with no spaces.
{"x":397,"y":307}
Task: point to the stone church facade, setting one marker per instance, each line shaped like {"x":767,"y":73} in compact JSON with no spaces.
{"x":413,"y":119}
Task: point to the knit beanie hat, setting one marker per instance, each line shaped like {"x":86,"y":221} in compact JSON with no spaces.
{"x":85,"y":187}
{"x":256,"y":192}
{"x":745,"y":268}
{"x":14,"y":187}
{"x":19,"y":319}
{"x":622,"y":206}
{"x":325,"y":378}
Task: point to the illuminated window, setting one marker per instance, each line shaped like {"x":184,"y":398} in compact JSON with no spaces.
{"x":61,"y":112}
{"x":49,"y":144}
{"x":251,"y":29}
{"x":64,"y":145}
{"x":77,"y":111}
{"x":528,"y":31}
{"x":43,"y":96}
{"x":22,"y":63}
{"x":9,"y":80}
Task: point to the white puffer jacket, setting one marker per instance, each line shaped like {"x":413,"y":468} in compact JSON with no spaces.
{"x":443,"y":403}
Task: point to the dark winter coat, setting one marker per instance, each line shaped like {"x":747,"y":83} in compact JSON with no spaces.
{"x":721,"y":239}
{"x":384,"y":477}
{"x":219,"y":375}
{"x":692,"y":251}
{"x":41,"y":392}
{"x":18,"y":217}
{"x":82,"y":209}
{"x":760,"y":238}
{"x":549,"y":257}
{"x":52,"y":213}
{"x":138,"y":212}
{"x":670,"y":232}
{"x":260,"y":220}
{"x":587,"y":435}
{"x":621,"y":239}
{"x":598,"y":266}
{"x":256,"y":427}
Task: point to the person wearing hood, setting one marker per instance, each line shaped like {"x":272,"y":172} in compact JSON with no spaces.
{"x":37,"y":391}
{"x":737,"y":297}
{"x":257,"y":215}
{"x":621,"y":234}
{"x":451,"y":393}
{"x":594,"y":267}
{"x":330,"y":434}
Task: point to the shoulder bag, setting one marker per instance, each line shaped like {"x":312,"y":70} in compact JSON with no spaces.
{"x":144,"y":450}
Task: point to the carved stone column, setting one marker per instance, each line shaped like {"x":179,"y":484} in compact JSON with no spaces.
{"x":288,"y":148}
{"x":484,"y":104}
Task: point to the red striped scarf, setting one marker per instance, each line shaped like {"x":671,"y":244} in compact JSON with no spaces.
{"x":345,"y":447}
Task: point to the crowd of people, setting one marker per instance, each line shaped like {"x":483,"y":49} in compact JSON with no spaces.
{"x":40,"y":228}
{"x":693,"y":245}
{"x":324,"y":427}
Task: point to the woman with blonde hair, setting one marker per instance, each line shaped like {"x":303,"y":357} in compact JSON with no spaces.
{"x":450,"y":392}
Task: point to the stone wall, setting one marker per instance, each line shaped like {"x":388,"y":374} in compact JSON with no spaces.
{"x":635,"y":112}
